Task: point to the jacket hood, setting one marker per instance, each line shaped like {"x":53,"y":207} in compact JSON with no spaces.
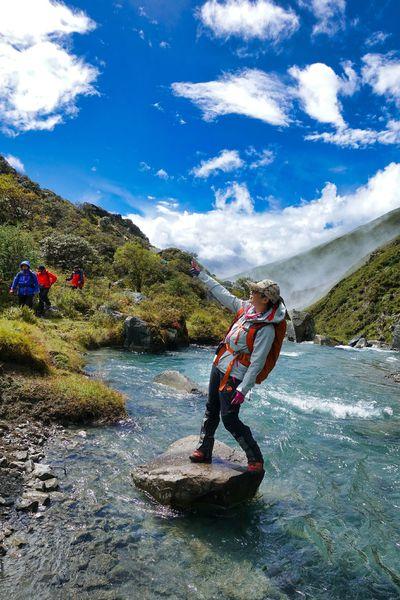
{"x":25,"y":262}
{"x":271,"y":316}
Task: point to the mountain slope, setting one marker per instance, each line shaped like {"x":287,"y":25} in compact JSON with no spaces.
{"x":42,"y":212}
{"x":306,"y":277}
{"x":367,"y":301}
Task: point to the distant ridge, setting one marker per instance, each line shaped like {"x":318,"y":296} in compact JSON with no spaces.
{"x":307,"y":277}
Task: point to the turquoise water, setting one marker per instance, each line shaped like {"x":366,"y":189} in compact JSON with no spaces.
{"x":325,"y":526}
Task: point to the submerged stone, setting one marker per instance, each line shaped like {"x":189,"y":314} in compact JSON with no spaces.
{"x":179,"y":382}
{"x":173,"y":480}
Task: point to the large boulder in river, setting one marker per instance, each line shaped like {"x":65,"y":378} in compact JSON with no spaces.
{"x":179,"y":382}
{"x":303,"y":325}
{"x":173,"y":480}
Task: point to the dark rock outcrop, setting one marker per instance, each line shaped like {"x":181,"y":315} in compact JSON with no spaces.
{"x":140,"y":336}
{"x":179,"y":382}
{"x":396,"y":337}
{"x":290,"y":332}
{"x":303,"y":325}
{"x":173,"y":480}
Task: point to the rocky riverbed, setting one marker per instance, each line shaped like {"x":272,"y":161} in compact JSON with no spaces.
{"x":27,"y":483}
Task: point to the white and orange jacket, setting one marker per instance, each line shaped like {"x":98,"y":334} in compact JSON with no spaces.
{"x":237,"y":336}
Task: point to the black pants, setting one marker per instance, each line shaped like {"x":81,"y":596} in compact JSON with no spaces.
{"x":219,"y":403}
{"x":25,"y":301}
{"x":44,"y":301}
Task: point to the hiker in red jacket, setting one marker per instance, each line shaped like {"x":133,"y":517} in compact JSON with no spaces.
{"x":45,"y":280}
{"x":77,"y":279}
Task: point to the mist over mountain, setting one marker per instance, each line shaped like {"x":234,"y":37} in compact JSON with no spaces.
{"x":308,"y":276}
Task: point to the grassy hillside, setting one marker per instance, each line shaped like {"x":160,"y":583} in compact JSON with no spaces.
{"x":43,"y":213}
{"x":367,"y":301}
{"x":308,"y":276}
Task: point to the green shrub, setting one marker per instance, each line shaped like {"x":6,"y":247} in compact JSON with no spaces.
{"x":140,"y":267}
{"x":15,"y":245}
{"x":66,"y":250}
{"x":208,"y":326}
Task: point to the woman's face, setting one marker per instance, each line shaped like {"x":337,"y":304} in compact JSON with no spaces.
{"x":259,"y":301}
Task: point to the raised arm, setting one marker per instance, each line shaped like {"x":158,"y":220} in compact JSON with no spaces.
{"x":220,"y":293}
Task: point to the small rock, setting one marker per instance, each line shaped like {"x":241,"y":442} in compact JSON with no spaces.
{"x":43,"y":472}
{"x":37,"y":456}
{"x":50,"y":485}
{"x":18,"y":541}
{"x":3,"y":461}
{"x":17,"y":465}
{"x":4,"y":502}
{"x":324,"y":340}
{"x":178,"y":381}
{"x":28,"y":504}
{"x":355,"y":340}
{"x":22,"y":455}
{"x":3,"y":551}
{"x":362,"y":343}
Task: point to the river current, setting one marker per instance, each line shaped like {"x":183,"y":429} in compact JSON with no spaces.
{"x":326,"y":524}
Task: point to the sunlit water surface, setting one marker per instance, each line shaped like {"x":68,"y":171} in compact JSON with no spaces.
{"x":326,"y":523}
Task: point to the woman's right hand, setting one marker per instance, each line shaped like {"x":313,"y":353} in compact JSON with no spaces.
{"x":194,"y":268}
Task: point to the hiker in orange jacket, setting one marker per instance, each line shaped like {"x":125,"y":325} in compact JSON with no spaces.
{"x":45,"y":280}
{"x":247,"y":354}
{"x":77,"y":279}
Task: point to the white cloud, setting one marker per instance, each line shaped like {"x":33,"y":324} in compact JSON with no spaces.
{"x":377,"y":38}
{"x":382,"y":73}
{"x":234,"y":200}
{"x":162,"y":174}
{"x":263,"y":158}
{"x":25,"y":23}
{"x":262,"y":19}
{"x":143,"y":166}
{"x":40,"y":79}
{"x":360,"y":138}
{"x":329,"y":15}
{"x":15,"y":163}
{"x":250,"y":238}
{"x":163,"y":44}
{"x":158,"y":106}
{"x":319,"y":87}
{"x":251,"y":92}
{"x":226,"y":161}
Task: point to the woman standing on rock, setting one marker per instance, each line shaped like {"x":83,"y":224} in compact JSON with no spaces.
{"x":246,"y":356}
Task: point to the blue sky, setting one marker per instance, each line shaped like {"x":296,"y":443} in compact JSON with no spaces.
{"x":192,"y":116}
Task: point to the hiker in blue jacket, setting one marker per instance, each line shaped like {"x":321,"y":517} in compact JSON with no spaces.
{"x":25,"y":284}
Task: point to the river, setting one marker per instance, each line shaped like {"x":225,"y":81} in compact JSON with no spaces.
{"x":326,"y":524}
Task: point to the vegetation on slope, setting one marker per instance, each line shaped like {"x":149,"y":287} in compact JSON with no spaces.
{"x":43,"y":358}
{"x":367,"y":301}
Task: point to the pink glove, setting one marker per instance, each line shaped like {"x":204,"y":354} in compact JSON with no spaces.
{"x":238,"y":399}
